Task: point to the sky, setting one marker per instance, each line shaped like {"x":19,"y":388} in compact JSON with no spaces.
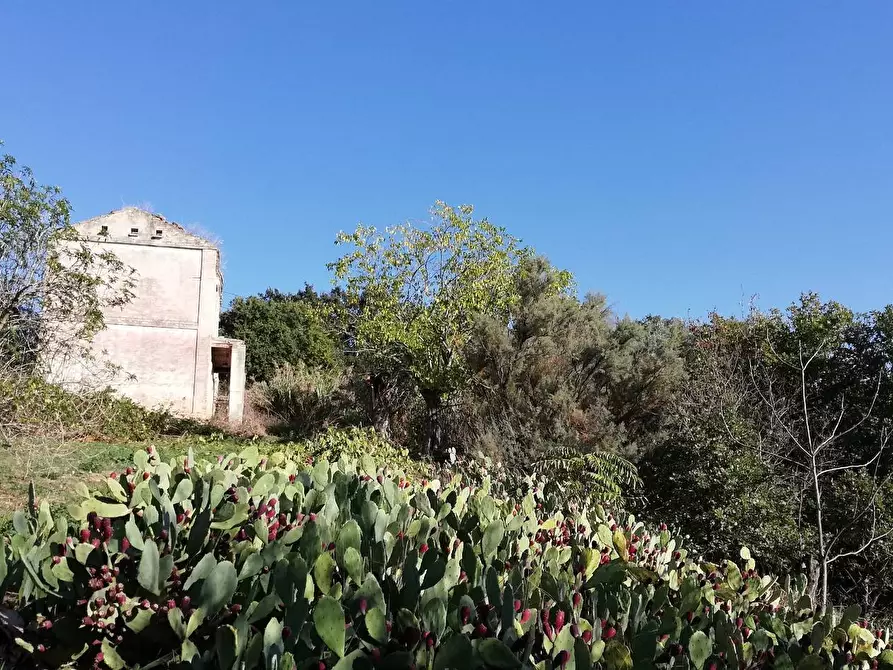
{"x":677,"y":157}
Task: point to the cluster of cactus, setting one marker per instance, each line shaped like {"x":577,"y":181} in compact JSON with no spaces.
{"x":252,"y":562}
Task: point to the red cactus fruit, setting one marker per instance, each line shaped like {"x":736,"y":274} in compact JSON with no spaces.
{"x":587,"y":636}
{"x":562,"y":658}
{"x":609,"y":633}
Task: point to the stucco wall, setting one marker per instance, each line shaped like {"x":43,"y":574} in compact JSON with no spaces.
{"x":158,"y":364}
{"x":161,"y":340}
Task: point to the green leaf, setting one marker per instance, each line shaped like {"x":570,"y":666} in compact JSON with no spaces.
{"x":350,"y":535}
{"x":132,"y":531}
{"x":598,"y":650}
{"x":371,"y":591}
{"x":322,"y":572}
{"x":82,"y":551}
{"x":147,"y":576}
{"x":175,"y":620}
{"x":110,"y":656}
{"x":329,"y":620}
{"x":188,"y":651}
{"x":699,"y":649}
{"x":495,"y":654}
{"x":346,"y":663}
{"x":375,"y":624}
{"x":492,"y":538}
{"x":264,"y":608}
{"x":183,"y":491}
{"x":20,"y":523}
{"x":219,"y":587}
{"x":581,"y":655}
{"x":198,"y":534}
{"x":273,"y":644}
{"x":619,"y":541}
{"x":227,"y":645}
{"x":353,"y":563}
{"x":116,"y":489}
{"x":202,"y":569}
{"x":454,"y":654}
{"x":252,"y":565}
{"x":617,"y":656}
{"x":195,"y":620}
{"x":142,"y":619}
{"x":104,"y":509}
{"x":61,"y":571}
{"x":250,"y":456}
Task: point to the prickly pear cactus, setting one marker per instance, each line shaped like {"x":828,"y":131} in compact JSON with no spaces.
{"x":255,"y":562}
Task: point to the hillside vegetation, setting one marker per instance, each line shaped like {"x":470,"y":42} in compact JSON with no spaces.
{"x":453,"y":460}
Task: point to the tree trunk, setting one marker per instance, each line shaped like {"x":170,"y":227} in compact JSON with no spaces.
{"x":379,"y":409}
{"x":823,"y":555}
{"x":433,"y":422}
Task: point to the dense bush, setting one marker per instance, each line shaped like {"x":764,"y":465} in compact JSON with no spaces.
{"x":273,"y":562}
{"x":30,"y":405}
{"x":302,"y":400}
{"x":280,"y":329}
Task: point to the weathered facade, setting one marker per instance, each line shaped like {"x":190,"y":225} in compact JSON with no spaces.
{"x":164,"y":343}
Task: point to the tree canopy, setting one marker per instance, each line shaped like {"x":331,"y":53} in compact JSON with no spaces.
{"x":279,"y":329}
{"x":54,"y":286}
{"x":416,"y":292}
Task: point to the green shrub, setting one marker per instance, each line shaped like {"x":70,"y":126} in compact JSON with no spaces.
{"x":357,"y":443}
{"x":35,"y":407}
{"x":251,"y":561}
{"x":301,"y":399}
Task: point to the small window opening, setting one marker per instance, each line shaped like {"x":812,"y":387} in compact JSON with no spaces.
{"x":134,"y":232}
{"x":157,"y":235}
{"x":104,"y":230}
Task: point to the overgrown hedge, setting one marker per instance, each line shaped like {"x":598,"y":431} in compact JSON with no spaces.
{"x":249,"y":562}
{"x":31,"y":406}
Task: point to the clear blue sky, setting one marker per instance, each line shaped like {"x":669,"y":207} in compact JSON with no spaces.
{"x":677,"y":156}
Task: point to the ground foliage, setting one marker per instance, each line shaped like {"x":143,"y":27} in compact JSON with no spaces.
{"x":264,"y":561}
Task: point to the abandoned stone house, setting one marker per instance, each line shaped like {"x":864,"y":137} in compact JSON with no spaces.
{"x":164,"y":344}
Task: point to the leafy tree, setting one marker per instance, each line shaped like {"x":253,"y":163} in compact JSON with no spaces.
{"x":413,"y":295}
{"x":281,"y":329}
{"x":54,"y":286}
{"x":786,"y":415}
